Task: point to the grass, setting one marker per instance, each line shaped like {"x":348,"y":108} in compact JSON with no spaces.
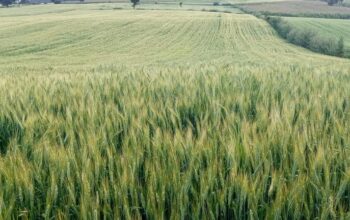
{"x":167,"y":115}
{"x":326,"y":27}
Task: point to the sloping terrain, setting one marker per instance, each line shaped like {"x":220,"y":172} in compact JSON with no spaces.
{"x":89,"y":37}
{"x":123,"y":114}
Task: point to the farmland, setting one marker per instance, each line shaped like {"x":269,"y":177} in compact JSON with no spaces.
{"x":298,"y":8}
{"x":326,"y":27}
{"x":190,"y":2}
{"x":167,"y":114}
{"x":123,"y":37}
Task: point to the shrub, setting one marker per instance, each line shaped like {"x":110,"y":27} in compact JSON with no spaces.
{"x":307,"y":38}
{"x":334,"y":2}
{"x":134,"y":3}
{"x":281,"y":26}
{"x":340,"y":47}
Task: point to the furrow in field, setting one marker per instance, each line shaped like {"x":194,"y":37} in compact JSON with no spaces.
{"x":145,"y":38}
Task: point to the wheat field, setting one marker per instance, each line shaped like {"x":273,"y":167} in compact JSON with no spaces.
{"x":122,"y":114}
{"x":70,"y":37}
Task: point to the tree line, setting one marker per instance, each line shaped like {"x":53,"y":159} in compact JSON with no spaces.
{"x":334,"y":2}
{"x":308,"y":38}
{"x":7,"y":3}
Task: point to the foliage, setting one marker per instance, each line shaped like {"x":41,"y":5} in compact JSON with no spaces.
{"x":332,"y":28}
{"x":334,"y":2}
{"x":135,"y":2}
{"x":340,"y":47}
{"x":7,"y":3}
{"x":308,"y":38}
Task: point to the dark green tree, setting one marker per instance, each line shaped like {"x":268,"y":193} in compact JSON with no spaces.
{"x":334,"y":2}
{"x":134,"y":3}
{"x":340,"y":47}
{"x":7,"y":3}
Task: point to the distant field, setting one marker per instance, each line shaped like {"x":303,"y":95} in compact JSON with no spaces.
{"x":326,"y":27}
{"x":109,"y":113}
{"x":62,"y":37}
{"x":184,"y":1}
{"x":172,"y":6}
{"x":299,"y":8}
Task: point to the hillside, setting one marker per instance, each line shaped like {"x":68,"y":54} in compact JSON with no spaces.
{"x":72,"y":36}
{"x":110,"y":113}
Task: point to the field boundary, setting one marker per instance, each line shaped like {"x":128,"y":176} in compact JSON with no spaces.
{"x":307,"y":38}
{"x":328,"y":15}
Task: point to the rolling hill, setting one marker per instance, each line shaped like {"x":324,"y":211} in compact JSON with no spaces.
{"x":167,"y":114}
{"x":89,"y":35}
